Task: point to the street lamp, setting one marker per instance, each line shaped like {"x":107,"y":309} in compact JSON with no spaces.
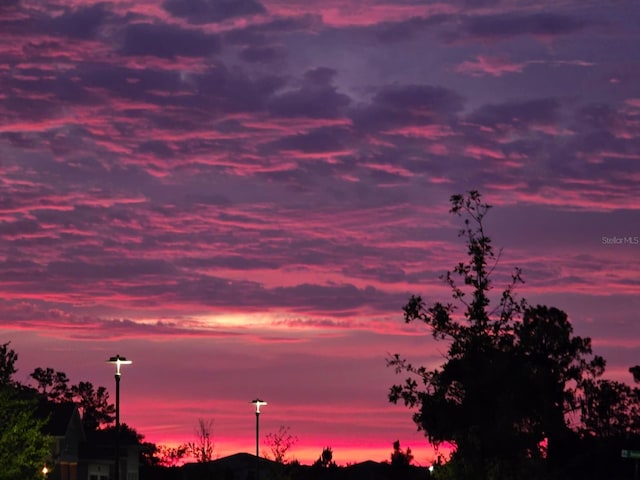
{"x":118,"y":361}
{"x":45,"y":471}
{"x":258,"y":403}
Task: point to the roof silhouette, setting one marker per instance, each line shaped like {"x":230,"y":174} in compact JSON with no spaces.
{"x":59,"y":416}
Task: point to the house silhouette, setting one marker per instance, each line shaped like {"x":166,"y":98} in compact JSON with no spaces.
{"x":79,"y":455}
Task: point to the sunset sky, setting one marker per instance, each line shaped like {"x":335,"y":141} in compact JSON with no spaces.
{"x":241,"y":195}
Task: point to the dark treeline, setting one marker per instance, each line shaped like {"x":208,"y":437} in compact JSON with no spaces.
{"x":519,"y":396}
{"x":242,"y":467}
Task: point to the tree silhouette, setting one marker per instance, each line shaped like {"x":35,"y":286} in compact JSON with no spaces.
{"x":400,"y":462}
{"x":8,"y":359}
{"x":52,"y":385}
{"x":202,"y":447}
{"x":465,"y":402}
{"x":400,"y":458}
{"x":325,"y":460}
{"x":551,"y":365}
{"x":94,"y":405}
{"x":280,"y":443}
{"x":610,"y":409}
{"x":167,"y":456}
{"x":512,"y":372}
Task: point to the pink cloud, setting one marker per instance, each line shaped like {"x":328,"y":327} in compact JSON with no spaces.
{"x":337,"y":13}
{"x":483,"y":152}
{"x":489,"y":65}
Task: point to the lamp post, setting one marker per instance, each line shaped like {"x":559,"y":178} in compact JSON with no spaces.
{"x":258,"y":403}
{"x":118,"y":361}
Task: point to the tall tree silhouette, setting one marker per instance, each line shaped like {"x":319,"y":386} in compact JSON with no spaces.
{"x":510,"y":372}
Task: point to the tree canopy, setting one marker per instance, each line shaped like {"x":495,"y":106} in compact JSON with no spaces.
{"x":24,"y":447}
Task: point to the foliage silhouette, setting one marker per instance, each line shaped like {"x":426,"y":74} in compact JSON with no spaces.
{"x":511,"y":374}
{"x":325,"y":460}
{"x":280,"y":443}
{"x":399,"y":457}
{"x":94,"y":405}
{"x":95,"y":408}
{"x":8,"y":358}
{"x":52,"y":385}
{"x":167,"y":456}
{"x":202,"y":448}
{"x":400,"y":462}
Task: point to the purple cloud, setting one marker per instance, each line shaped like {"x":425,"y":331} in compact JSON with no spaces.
{"x":208,"y":11}
{"x":167,"y":41}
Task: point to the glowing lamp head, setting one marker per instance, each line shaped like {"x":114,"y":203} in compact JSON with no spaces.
{"x":117,"y":361}
{"x":258,"y":403}
{"x":45,"y":470}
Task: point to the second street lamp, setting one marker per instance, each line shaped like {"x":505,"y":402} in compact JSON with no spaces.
{"x":118,"y":361}
{"x":258,"y":403}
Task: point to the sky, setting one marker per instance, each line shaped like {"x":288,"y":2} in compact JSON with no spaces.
{"x":241,"y":195}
